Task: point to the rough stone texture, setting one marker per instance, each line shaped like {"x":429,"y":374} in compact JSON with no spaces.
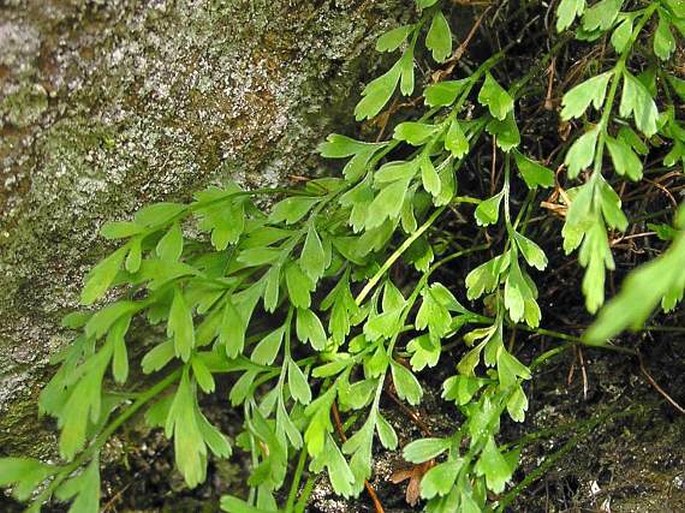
{"x":109,"y":105}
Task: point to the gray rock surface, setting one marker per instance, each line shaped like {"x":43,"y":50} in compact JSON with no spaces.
{"x":106,"y":106}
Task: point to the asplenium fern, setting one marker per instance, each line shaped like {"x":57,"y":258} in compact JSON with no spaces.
{"x":298,"y":304}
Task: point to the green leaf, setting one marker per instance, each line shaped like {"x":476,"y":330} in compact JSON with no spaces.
{"x":595,"y":256}
{"x":663,"y":231}
{"x":180,"y":326}
{"x":387,"y":204}
{"x":242,"y":388}
{"x":101,"y":276}
{"x":425,"y":449}
{"x":637,"y":100}
{"x":439,"y":37}
{"x":272,"y":285}
{"x":580,"y":216}
{"x":493,"y":96}
{"x":341,"y":476}
{"x":461,"y":389}
{"x":267,"y":349}
{"x":189,"y":445}
{"x":309,"y":329}
{"x":444,"y":94}
{"x":434,"y":315}
{"x":392,"y":39}
{"x":622,"y":34}
{"x":232,"y":330}
{"x":135,"y":255}
{"x":220,"y":212}
{"x":377,"y":93}
{"x":395,"y":170}
{"x":159,"y":214}
{"x":313,"y":257}
{"x":83,"y":405}
{"x":425,"y":352}
{"x":576,"y":101}
{"x":292,"y":209}
{"x":285,"y":425}
{"x":429,"y":176}
{"x":100,"y":322}
{"x":455,"y":140}
{"x":624,"y":159}
{"x":678,"y":86}
{"x":506,"y":132}
{"x":533,"y":254}
{"x":414,"y":133}
{"x":439,"y":480}
{"x":157,"y":358}
{"x":115,"y":337}
{"x":582,"y":152}
{"x":406,"y":384}
{"x":339,"y":146}
{"x":509,"y":369}
{"x":664,"y":42}
{"x":357,"y":395}
{"x":610,"y":204}
{"x":320,"y":425}
{"x":567,"y":11}
{"x":331,"y":368}
{"x":628,"y":136}
{"x":297,"y":381}
{"x":423,"y":4}
{"x":447,"y":184}
{"x":406,"y":63}
{"x":407,"y":214}
{"x":641,"y":292}
{"x":75,"y":320}
{"x":85,"y":488}
{"x":299,"y":285}
{"x":602,"y":15}
{"x":494,"y":467}
{"x":533,"y":173}
{"x":485,"y":277}
{"x":202,"y":375}
{"x":677,"y":7}
{"x":487,"y":211}
{"x":24,"y":475}
{"x":386,"y":433}
{"x":120,"y":229}
{"x":170,"y":247}
{"x":517,"y":404}
{"x":515,"y":292}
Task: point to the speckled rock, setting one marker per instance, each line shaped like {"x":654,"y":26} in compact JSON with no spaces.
{"x":107,"y":106}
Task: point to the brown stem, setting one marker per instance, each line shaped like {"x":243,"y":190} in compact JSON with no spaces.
{"x":657,"y":387}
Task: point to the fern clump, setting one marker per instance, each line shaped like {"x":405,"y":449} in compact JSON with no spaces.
{"x":298,"y":303}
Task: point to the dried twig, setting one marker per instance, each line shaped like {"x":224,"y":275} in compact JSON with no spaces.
{"x":657,"y":387}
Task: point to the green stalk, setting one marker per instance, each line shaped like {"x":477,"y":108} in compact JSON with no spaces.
{"x":396,"y":255}
{"x":290,"y":504}
{"x":144,"y":397}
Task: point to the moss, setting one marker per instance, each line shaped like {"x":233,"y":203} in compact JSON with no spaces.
{"x":25,"y":106}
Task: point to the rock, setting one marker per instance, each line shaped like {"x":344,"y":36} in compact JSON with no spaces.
{"x":108,"y":106}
